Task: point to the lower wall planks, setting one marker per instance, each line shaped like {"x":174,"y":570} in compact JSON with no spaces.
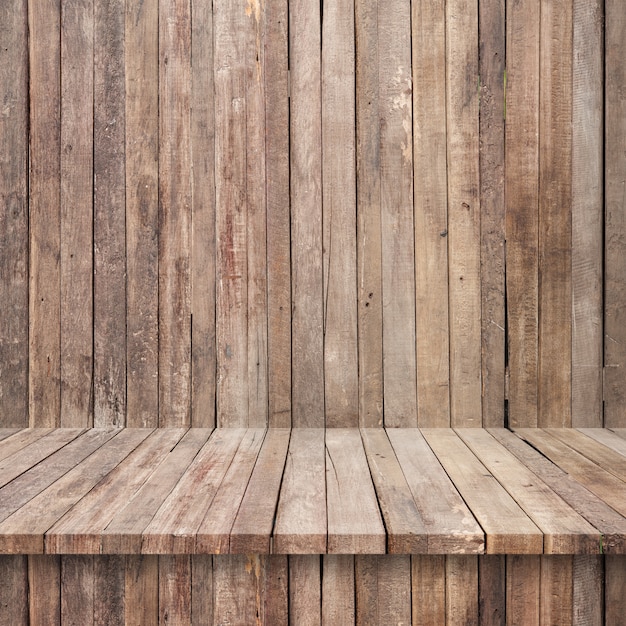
{"x":312,"y":590}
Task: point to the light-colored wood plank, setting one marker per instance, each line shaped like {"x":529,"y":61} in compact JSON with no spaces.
{"x":369,"y":259}
{"x":14,"y":372}
{"x":621,"y":432}
{"x":252,"y":529}
{"x":462,"y":590}
{"x":394,"y":589}
{"x":607,"y":438}
{"x":564,"y":530}
{"x":175,"y":589}
{"x":202,"y":589}
{"x":77,"y":590}
{"x":173,"y":528}
{"x":109,"y":590}
{"x":492,"y":589}
{"x":109,"y":234}
{"x":301,"y":518}
{"x":276,"y":589}
{"x":305,"y":589}
{"x":555,"y":218}
{"x":396,"y":207}
{"x":448,"y":522}
{"x":507,"y":528}
{"x":339,"y":215}
{"x":236,"y":590}
{"x":14,"y":591}
{"x":307,"y":364}
{"x":174,"y":212}
{"x":522,"y":206}
{"x":77,"y":176}
{"x":44,"y":585}
{"x":587,"y":212}
{"x":203,"y":351}
{"x":141,"y":607}
{"x":20,"y":440}
{"x":7,"y":432}
{"x":428,"y":589}
{"x":123,"y":534}
{"x":338,"y":597}
{"x":462,"y":115}
{"x":431,"y":212}
{"x":588,"y":592}
{"x":141,"y":47}
{"x":44,"y":221}
{"x":522,"y":589}
{"x":614,"y":591}
{"x":355,"y":525}
{"x":556,"y":602}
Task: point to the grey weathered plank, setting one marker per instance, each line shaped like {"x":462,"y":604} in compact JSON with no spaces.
{"x":77,"y":589}
{"x":14,"y":590}
{"x":606,"y":437}
{"x":338,"y":598}
{"x":305,"y":590}
{"x":21,"y":439}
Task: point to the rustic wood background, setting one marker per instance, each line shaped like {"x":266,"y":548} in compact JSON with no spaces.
{"x":335,"y":213}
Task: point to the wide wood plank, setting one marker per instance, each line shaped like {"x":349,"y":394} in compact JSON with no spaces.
{"x":301,"y":518}
{"x":522,"y":589}
{"x":175,"y":589}
{"x":354,"y":522}
{"x":77,"y":590}
{"x":202,"y":589}
{"x":462,"y":590}
{"x":615,"y":598}
{"x":448,"y":522}
{"x":606,"y":437}
{"x":21,"y":439}
{"x":7,"y":432}
{"x":428,"y":589}
{"x":44,"y":585}
{"x":508,"y":529}
{"x":565,"y":531}
{"x":338,"y":597}
{"x":305,"y":589}
{"x":14,"y":590}
{"x":109,"y":590}
{"x":588,"y":593}
{"x":556,"y":590}
{"x":492,"y":589}
{"x":142,"y":590}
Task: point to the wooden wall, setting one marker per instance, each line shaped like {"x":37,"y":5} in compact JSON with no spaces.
{"x":312,"y":213}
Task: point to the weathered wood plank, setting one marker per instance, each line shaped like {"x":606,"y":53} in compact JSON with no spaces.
{"x":236,"y":590}
{"x":428,"y":589}
{"x":141,"y":590}
{"x":615,"y":586}
{"x":109,"y":234}
{"x":431,"y":212}
{"x":588,"y":592}
{"x":396,"y":207}
{"x":462,"y":590}
{"x":556,"y":600}
{"x":522,"y":206}
{"x":14,"y":591}
{"x":523,"y":589}
{"x":14,"y":368}
{"x":606,"y":437}
{"x":202,"y":589}
{"x":338,"y":597}
{"x":492,"y":589}
{"x":77,"y":590}
{"x":44,"y":585}
{"x":44,"y":217}
{"x":354,"y":522}
{"x":175,"y":589}
{"x":20,"y":440}
{"x":301,"y":518}
{"x":7,"y":432}
{"x":109,"y":590}
{"x":369,"y":259}
{"x":174,"y":213}
{"x":305,"y":589}
{"x":394,"y":589}
{"x":141,"y":47}
{"x":462,"y":93}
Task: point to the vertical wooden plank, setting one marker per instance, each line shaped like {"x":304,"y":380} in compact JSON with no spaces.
{"x":588,"y":591}
{"x":555,"y":218}
{"x":462,"y":590}
{"x":276,"y":75}
{"x":276,"y":590}
{"x":77,"y":590}
{"x":77,"y":125}
{"x":428,"y":589}
{"x":306,"y":215}
{"x":201,"y":589}
{"x":492,"y":589}
{"x":338,"y":604}
{"x":615,"y":218}
{"x":44,"y":585}
{"x":462,"y":82}
{"x":587,"y":212}
{"x":369,"y":253}
{"x":615,"y":589}
{"x":141,"y":606}
{"x":44,"y":214}
{"x":305,"y":600}
{"x":142,"y":212}
{"x":523,"y":575}
{"x":174,"y":212}
{"x":521,"y":192}
{"x":339,"y":215}
{"x":175,"y":589}
{"x":366,"y":589}
{"x":109,"y":590}
{"x":109,"y":215}
{"x":14,"y":590}
{"x":394,"y":589}
{"x":431,"y":212}
{"x":492,"y":55}
{"x":396,"y":201}
{"x":556,"y":590}
{"x":231,"y":207}
{"x":14,"y":213}
{"x":203,"y":362}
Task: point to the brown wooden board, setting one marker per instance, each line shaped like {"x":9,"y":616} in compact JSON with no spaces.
{"x":428,"y":589}
{"x":235,"y":584}
{"x":606,"y":437}
{"x":523,"y":590}
{"x":20,"y":440}
{"x":77,"y":590}
{"x":141,"y":607}
{"x":338,"y":598}
{"x":14,"y":272}
{"x":462,"y":592}
{"x":305,"y":590}
{"x":109,"y":590}
{"x":175,"y":589}
{"x":556,"y":599}
{"x":614,"y":596}
{"x":7,"y":432}
{"x":14,"y":591}
{"x":44,"y":586}
{"x":492,"y":589}
{"x":202,"y":589}
{"x":587,"y":592}
{"x":141,"y":45}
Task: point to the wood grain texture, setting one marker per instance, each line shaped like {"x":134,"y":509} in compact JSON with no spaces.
{"x":428,"y":589}
{"x":14,"y":369}
{"x":396,"y":207}
{"x":462,"y":592}
{"x":44,"y":585}
{"x":141,"y":45}
{"x":305,"y":589}
{"x":109,"y":215}
{"x":109,"y":573}
{"x":175,"y":589}
{"x":587,"y":593}
{"x":492,"y":590}
{"x":44,"y":338}
{"x":14,"y":591}
{"x":556,"y":602}
{"x":614,"y":596}
{"x":202,"y":589}
{"x":523,"y":589}
{"x":77,"y":590}
{"x":338,"y":598}
{"x":141,"y":594}
{"x":174,"y":213}
{"x":431,"y":212}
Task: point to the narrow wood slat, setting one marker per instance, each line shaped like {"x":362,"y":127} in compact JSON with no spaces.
{"x":109,"y":590}
{"x":235,"y":590}
{"x":7,"y":432}
{"x":406,"y":530}
{"x":23,"y":531}
{"x":556,"y":585}
{"x":202,"y":589}
{"x":175,"y":589}
{"x":522,"y":589}
{"x":565,"y":531}
{"x":173,"y":528}
{"x":462,"y":590}
{"x":213,"y":535}
{"x":44,"y":585}
{"x":14,"y":236}
{"x":492,"y":589}
{"x":79,"y":531}
{"x":620,"y":432}
{"x":508,"y":529}
{"x":20,"y":440}
{"x":606,"y":437}
{"x":301,"y":518}
{"x":431,"y":212}
{"x":123,"y":534}
{"x":338,"y":597}
{"x":588,"y":592}
{"x":305,"y":590}
{"x":252,"y":529}
{"x":14,"y":590}
{"x":77,"y":589}
{"x":615,"y":583}
{"x":611,"y":524}
{"x":428,"y":589}
{"x":354,"y":522}
{"x":142,"y":590}
{"x":448,"y":522}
